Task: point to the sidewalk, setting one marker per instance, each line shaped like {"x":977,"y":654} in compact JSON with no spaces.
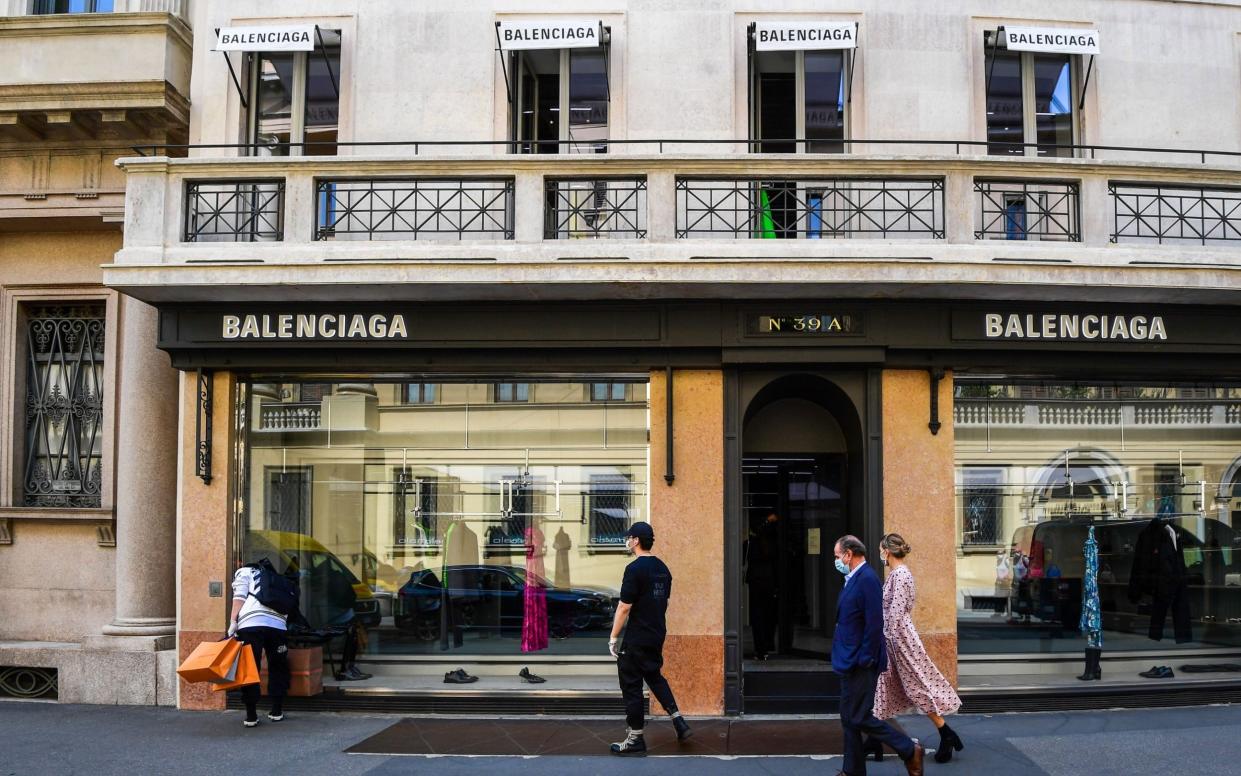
{"x":50,"y":740}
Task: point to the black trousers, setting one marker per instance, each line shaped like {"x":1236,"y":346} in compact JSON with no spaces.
{"x":857,"y":717}
{"x":1178,"y":601}
{"x":638,"y":664}
{"x":764,"y":612}
{"x":274,"y":642}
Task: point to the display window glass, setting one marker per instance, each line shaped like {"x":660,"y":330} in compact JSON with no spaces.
{"x":1153,"y":469}
{"x":476,"y":516}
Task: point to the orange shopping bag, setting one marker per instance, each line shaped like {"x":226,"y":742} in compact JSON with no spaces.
{"x":211,"y":661}
{"x":247,"y":672}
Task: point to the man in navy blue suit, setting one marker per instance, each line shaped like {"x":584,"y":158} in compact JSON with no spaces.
{"x":859,"y":656}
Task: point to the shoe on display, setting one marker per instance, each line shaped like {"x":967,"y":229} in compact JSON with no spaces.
{"x":459,"y":677}
{"x":682,"y":727}
{"x":634,"y":745}
{"x":356,"y":673}
{"x":526,"y":676}
{"x":1158,"y":672}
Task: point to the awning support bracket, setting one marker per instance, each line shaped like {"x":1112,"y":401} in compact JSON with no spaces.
{"x":236,"y":81}
{"x":508,"y":86}
{"x":1081,"y":101}
{"x":995,"y":44}
{"x":857,"y":34}
{"x":327,"y":62}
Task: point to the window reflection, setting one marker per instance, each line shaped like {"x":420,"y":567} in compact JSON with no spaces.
{"x":475,"y":516}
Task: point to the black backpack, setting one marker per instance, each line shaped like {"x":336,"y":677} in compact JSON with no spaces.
{"x":275,"y":591}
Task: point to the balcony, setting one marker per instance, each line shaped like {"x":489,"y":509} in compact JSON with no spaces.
{"x":709,"y":225}
{"x":1134,"y":415}
{"x":81,"y":89}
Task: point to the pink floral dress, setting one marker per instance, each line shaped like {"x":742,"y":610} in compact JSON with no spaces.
{"x":912,"y":680}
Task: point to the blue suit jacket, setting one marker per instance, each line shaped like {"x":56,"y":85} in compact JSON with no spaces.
{"x":858,"y":641}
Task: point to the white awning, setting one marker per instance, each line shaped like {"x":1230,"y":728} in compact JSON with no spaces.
{"x":275,"y":37}
{"x":804,"y":36}
{"x":1057,"y":40}
{"x":550,"y":34}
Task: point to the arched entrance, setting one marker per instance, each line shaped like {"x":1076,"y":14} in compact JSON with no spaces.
{"x":802,"y":485}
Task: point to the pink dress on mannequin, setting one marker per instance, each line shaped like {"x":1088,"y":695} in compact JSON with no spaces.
{"x":534,"y":597}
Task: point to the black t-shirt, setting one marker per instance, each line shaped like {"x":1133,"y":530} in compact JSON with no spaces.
{"x":647,"y":584}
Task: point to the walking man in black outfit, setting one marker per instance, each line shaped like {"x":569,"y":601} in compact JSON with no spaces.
{"x":645,"y":589}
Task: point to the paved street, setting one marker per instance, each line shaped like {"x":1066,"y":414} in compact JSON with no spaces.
{"x":50,"y":740}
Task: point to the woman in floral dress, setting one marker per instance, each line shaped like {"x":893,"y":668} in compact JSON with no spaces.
{"x":912,"y":681}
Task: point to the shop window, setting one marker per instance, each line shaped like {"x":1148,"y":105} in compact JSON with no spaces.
{"x":560,"y":99}
{"x":72,"y":6}
{"x":294,"y":99}
{"x":421,"y":393}
{"x":1032,"y":98}
{"x":287,"y":502}
{"x":607,"y":391}
{"x":512,"y":392}
{"x":444,"y":528}
{"x":1040,"y":464}
{"x":64,"y":405}
{"x":799,"y":96}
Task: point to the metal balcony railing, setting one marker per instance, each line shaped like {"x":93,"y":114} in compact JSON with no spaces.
{"x":810,"y":208}
{"x":1176,"y":214}
{"x":1028,"y":210}
{"x":234,"y":211}
{"x":595,"y":207}
{"x":297,"y":416}
{"x":414,"y":209}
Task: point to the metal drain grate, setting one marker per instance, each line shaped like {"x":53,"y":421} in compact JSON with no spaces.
{"x":515,"y":704}
{"x":28,"y":683}
{"x":1000,"y":702}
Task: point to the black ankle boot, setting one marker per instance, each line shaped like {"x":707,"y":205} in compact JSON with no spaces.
{"x":1093,"y":672}
{"x":872,"y":747}
{"x":948,"y":741}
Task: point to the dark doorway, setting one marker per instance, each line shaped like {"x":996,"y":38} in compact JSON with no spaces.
{"x":801,"y":486}
{"x":794,"y":507}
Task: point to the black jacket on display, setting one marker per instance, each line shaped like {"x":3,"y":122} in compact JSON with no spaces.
{"x":1159,"y":571}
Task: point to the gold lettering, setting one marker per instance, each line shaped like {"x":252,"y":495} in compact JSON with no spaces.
{"x":835,"y":325}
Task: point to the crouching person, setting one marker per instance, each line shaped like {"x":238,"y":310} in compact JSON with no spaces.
{"x":259,"y":592}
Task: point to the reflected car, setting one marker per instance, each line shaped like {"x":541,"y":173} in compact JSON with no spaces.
{"x":329,"y":589}
{"x":1050,"y":590}
{"x":492,"y":598}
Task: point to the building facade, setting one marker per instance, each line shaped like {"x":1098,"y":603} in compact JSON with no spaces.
{"x":458,"y":294}
{"x":87,"y":491}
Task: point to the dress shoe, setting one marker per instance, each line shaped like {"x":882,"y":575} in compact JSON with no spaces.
{"x":913,"y":766}
{"x":459,"y":677}
{"x":526,"y":676}
{"x":1158,"y":672}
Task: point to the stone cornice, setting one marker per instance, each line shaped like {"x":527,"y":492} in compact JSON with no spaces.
{"x":95,"y":95}
{"x":95,"y":24}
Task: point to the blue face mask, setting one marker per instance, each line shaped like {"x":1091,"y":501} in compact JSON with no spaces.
{"x":841,"y":567}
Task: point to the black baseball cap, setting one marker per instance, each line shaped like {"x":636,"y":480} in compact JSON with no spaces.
{"x":641,"y":530}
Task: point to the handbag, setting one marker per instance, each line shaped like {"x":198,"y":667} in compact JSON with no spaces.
{"x":212,"y":661}
{"x":246,"y":671}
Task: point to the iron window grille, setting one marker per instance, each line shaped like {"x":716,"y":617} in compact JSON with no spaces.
{"x":1188,"y":214}
{"x":609,"y":508}
{"x":595,"y":207}
{"x":416,"y":504}
{"x":234,"y":211}
{"x":810,"y":208}
{"x":288,"y":499}
{"x":414,"y":209}
{"x":1028,"y":210}
{"x":982,"y":503}
{"x":64,"y":406}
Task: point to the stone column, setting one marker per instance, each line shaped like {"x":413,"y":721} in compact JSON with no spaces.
{"x":146,"y":479}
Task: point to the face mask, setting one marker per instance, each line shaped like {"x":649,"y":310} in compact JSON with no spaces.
{"x":841,"y":567}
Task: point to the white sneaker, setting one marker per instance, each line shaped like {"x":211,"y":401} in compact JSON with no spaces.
{"x":276,"y":717}
{"x":250,"y":722}
{"x":634,"y":745}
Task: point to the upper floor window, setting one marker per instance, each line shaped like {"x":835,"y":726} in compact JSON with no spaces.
{"x":1033,"y":88}
{"x":294,"y":98}
{"x":607,"y":391}
{"x":799,"y":85}
{"x":420,"y":393}
{"x":72,"y":6}
{"x":559,"y":91}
